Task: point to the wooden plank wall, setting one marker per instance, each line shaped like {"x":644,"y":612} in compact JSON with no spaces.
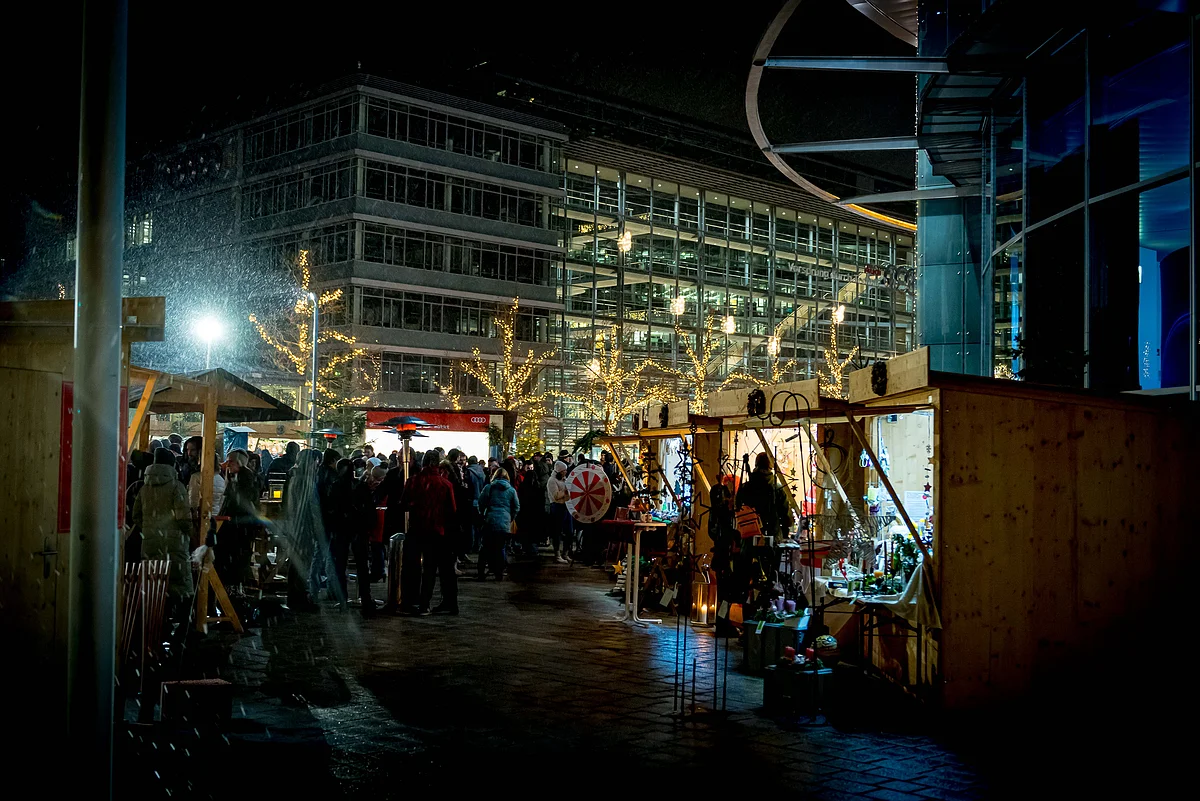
{"x":33,"y":591}
{"x":1062,"y":530}
{"x":904,"y":373}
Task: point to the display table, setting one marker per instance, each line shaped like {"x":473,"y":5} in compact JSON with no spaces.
{"x":634,"y":552}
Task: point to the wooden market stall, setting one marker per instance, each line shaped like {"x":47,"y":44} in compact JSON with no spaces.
{"x":1053,"y":522}
{"x":1062,"y":522}
{"x":36,"y":385}
{"x":217,"y":394}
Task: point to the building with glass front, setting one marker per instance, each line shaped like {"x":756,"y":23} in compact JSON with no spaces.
{"x":758,"y":264}
{"x":431,"y":213}
{"x":1068,"y":256}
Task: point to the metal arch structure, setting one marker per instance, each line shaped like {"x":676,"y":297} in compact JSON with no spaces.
{"x":754,"y":120}
{"x":897,"y":17}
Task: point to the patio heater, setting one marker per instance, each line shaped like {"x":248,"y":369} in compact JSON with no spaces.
{"x":405,"y":426}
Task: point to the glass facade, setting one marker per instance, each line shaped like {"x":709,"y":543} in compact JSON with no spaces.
{"x":750,"y":270}
{"x":1093,"y":209}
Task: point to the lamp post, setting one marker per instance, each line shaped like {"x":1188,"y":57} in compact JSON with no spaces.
{"x":312,"y":392}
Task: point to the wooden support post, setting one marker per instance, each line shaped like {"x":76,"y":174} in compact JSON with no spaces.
{"x":207,"y":459}
{"x":210,"y":579}
{"x":611,"y":448}
{"x":141,"y":413}
{"x":782,"y":478}
{"x":862,"y":440}
{"x":824,"y":463}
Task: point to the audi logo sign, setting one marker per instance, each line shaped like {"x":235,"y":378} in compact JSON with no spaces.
{"x":479,"y":419}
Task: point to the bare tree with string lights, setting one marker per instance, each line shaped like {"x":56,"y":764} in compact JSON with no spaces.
{"x":612,"y":389}
{"x":349,"y":375}
{"x":697,"y":373}
{"x":831,"y":378}
{"x":511,"y":383}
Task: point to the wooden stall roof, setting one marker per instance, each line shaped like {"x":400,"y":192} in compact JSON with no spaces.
{"x":237,"y":400}
{"x":143,"y":320}
{"x":909,"y":379}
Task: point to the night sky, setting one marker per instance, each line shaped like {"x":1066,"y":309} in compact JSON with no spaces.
{"x":197,"y":68}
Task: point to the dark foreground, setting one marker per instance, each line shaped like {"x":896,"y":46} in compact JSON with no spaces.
{"x":527,"y":692}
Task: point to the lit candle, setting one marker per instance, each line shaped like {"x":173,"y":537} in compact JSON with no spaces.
{"x":703,"y":614}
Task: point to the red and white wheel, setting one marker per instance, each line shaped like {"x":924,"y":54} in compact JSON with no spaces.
{"x":590,"y":493}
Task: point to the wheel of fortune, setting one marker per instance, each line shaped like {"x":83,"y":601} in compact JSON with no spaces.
{"x":590,"y":493}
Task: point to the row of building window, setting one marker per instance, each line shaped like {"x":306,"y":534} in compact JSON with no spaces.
{"x":401,"y":121}
{"x":399,"y":184}
{"x":301,"y":128}
{"x":386,"y":244}
{"x":612,"y":196}
{"x":414,"y":311}
{"x":406,"y":122}
{"x":396,"y":184}
{"x":408,"y":372}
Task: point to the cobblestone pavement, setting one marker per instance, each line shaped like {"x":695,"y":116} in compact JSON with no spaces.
{"x":525,"y":686}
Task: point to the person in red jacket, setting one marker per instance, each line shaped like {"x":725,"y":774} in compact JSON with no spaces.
{"x":428,"y":544}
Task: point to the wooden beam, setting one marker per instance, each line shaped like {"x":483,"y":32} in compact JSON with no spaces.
{"x":611,"y":448}
{"x":208,"y":454}
{"x":862,"y":440}
{"x":819,"y":455}
{"x":140,"y":414}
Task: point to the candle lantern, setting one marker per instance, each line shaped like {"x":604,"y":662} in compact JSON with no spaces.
{"x":703,"y":597}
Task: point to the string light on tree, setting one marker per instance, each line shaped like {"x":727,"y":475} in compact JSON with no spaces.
{"x":701,"y":355}
{"x":831,"y":379}
{"x":614,"y":391}
{"x":349,"y":376}
{"x":778,"y":370}
{"x":511,"y":383}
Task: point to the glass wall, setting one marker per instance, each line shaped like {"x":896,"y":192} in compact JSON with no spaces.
{"x":741,"y":273}
{"x":1093,"y":211}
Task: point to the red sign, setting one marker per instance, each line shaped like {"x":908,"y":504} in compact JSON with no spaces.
{"x":66,"y":425}
{"x":438,"y":421}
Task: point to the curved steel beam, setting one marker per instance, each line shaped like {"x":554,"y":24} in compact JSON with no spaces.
{"x":885,"y":20}
{"x":765,"y":45}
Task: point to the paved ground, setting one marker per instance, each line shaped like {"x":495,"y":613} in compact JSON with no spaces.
{"x":525,"y":690}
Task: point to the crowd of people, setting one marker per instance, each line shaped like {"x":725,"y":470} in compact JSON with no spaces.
{"x":451,"y":507}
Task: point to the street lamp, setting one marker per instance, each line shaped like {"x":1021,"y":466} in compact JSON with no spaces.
{"x":312,"y":395}
{"x":208,"y":328}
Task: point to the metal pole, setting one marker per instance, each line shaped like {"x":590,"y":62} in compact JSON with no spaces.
{"x":96,"y":426}
{"x":312,"y":393}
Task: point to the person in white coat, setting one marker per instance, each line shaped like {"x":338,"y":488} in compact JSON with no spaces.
{"x":562,"y":530}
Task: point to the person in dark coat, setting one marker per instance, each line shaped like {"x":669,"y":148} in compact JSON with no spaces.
{"x":432,"y":519}
{"x":367,"y":527}
{"x":342,"y":527}
{"x":326,"y":477}
{"x":235,"y":537}
{"x":763,"y":493}
{"x":464,"y":501}
{"x":284,"y":464}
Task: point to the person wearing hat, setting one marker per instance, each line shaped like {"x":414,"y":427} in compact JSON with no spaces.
{"x":561,"y":524}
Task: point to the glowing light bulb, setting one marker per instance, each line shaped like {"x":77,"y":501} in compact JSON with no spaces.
{"x":773,"y":345}
{"x":730,"y":325}
{"x":839,"y":314}
{"x":625,"y":242}
{"x":678,"y":306}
